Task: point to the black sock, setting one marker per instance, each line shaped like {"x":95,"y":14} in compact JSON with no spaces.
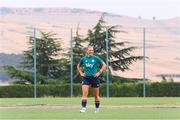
{"x":97,"y":103}
{"x":84,"y":102}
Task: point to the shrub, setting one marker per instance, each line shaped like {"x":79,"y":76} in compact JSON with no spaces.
{"x":168,"y":89}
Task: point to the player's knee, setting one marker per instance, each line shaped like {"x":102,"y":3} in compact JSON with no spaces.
{"x":96,"y":97}
{"x":85,"y":94}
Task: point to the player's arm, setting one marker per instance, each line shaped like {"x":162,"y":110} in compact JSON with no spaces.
{"x":103,"y":67}
{"x":80,"y":70}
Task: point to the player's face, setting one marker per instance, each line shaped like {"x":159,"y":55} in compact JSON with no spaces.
{"x":90,"y":51}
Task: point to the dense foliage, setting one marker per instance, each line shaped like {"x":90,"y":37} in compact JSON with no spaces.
{"x":164,"y":89}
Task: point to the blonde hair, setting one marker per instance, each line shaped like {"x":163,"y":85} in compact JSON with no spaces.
{"x":89,"y":46}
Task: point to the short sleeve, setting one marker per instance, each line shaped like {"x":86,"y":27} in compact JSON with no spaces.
{"x":81,"y":61}
{"x":99,"y":60}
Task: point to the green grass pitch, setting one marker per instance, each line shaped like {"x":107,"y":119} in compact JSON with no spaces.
{"x":123,"y":108}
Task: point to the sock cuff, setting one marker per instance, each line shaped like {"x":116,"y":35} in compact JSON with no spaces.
{"x":84,"y":100}
{"x":97,"y":101}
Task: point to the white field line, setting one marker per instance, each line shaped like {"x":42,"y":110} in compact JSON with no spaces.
{"x":58,"y":106}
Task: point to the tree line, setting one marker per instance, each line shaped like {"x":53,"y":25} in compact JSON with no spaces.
{"x":53,"y":65}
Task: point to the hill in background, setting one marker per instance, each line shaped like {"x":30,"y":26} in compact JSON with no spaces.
{"x":162,"y":36}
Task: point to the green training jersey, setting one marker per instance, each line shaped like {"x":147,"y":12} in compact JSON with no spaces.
{"x":90,"y":64}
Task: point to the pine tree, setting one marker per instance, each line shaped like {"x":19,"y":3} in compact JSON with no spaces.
{"x":78,"y":52}
{"x":49,"y":66}
{"x":120,"y":57}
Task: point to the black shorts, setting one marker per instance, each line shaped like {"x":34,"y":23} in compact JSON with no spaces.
{"x":94,"y":82}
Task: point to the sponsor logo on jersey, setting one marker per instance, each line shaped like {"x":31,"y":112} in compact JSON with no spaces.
{"x":89,"y":65}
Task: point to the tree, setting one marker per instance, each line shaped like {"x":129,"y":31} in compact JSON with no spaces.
{"x":120,"y":57}
{"x":49,"y":66}
{"x":78,"y":52}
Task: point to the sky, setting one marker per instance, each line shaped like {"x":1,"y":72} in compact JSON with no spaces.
{"x":147,"y":9}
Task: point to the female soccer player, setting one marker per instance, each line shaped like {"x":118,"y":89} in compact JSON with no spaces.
{"x":88,"y":69}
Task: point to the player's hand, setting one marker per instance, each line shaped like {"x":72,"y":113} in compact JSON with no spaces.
{"x":82,"y":74}
{"x":97,"y":74}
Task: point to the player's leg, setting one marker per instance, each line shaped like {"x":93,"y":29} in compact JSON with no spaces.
{"x":97,"y":98}
{"x":85,"y":90}
{"x":95,"y":86}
